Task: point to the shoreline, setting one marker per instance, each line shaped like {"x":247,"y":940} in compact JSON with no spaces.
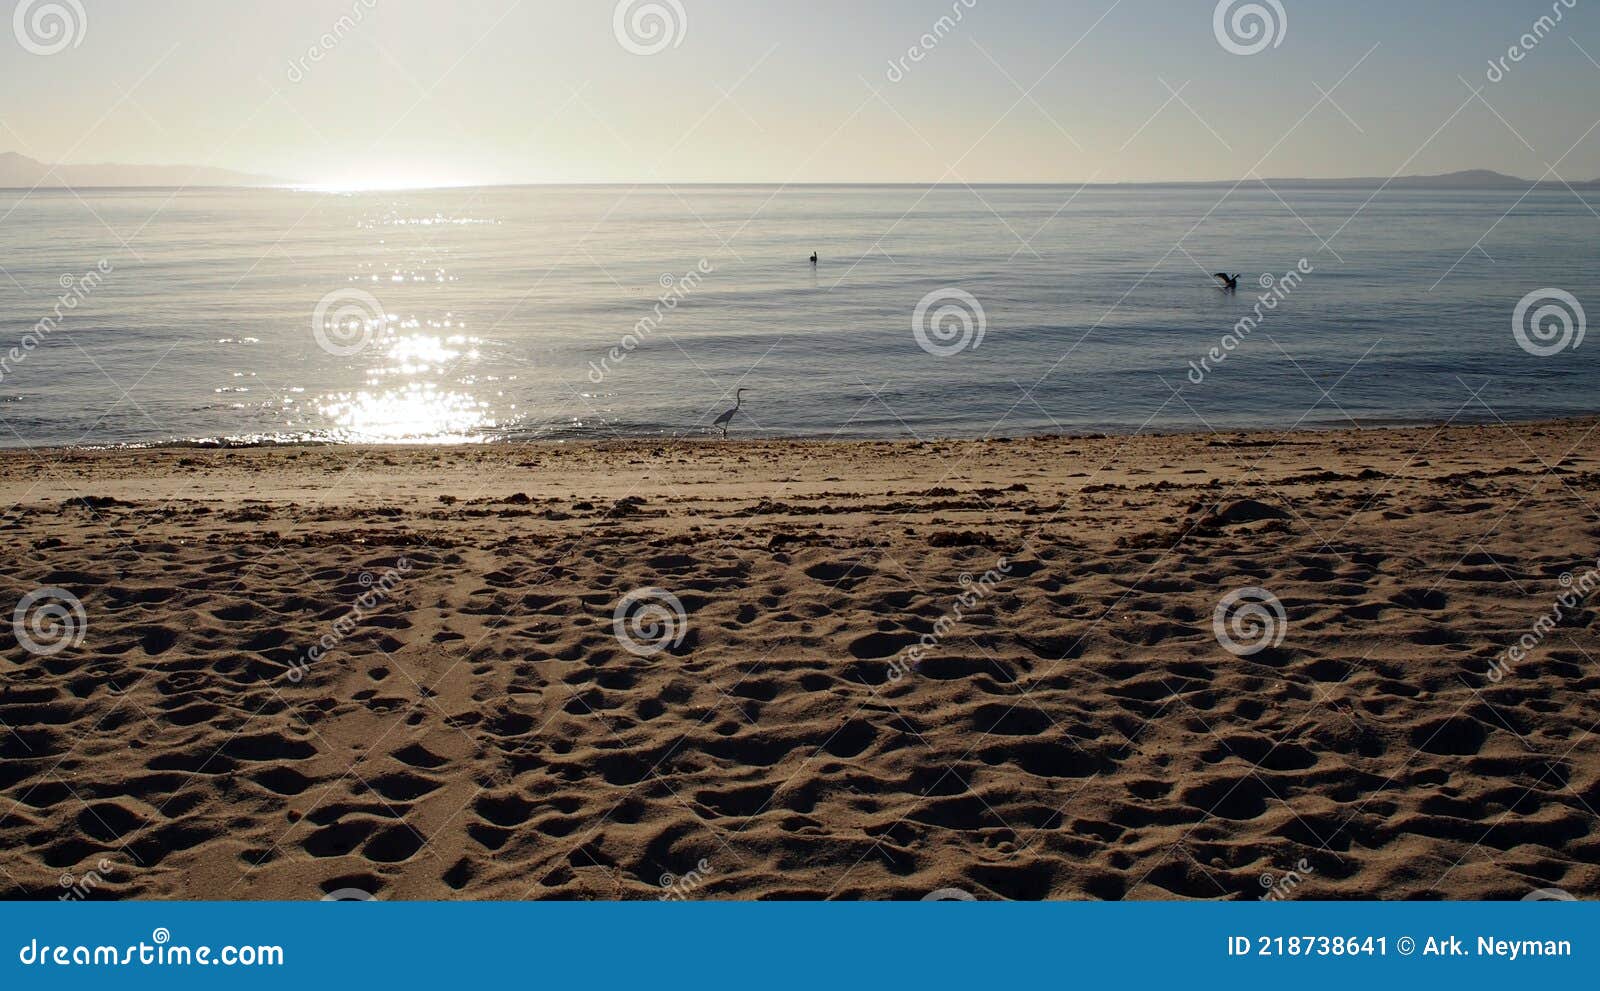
{"x":1321,"y":428}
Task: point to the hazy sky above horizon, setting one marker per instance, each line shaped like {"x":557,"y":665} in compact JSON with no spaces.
{"x":418,"y":91}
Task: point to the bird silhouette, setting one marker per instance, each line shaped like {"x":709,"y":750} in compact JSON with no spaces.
{"x":727,"y":418}
{"x":1230,"y":283}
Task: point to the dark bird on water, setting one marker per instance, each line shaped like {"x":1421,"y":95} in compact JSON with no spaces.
{"x":813,"y":259}
{"x":727,"y":418}
{"x":1230,"y":283}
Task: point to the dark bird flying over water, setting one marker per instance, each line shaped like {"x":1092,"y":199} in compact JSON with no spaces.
{"x":1230,"y":283}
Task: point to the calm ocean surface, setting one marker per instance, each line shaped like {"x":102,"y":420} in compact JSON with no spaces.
{"x":501,"y":314}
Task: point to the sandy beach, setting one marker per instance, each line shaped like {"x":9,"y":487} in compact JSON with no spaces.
{"x":898,"y":669}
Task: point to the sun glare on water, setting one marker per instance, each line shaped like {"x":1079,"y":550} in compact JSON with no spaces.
{"x":382,"y":184}
{"x":418,"y":413}
{"x":412,"y":396}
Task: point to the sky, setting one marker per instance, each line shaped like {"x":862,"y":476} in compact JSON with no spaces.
{"x":408,"y":92}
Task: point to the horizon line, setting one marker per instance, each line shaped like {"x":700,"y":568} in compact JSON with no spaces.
{"x":1464,"y":178}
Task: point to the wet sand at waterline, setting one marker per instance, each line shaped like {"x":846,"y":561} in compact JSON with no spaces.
{"x":897,"y":669}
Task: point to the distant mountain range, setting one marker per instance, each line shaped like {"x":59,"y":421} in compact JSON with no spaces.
{"x":21,"y":172}
{"x":1473,"y":179}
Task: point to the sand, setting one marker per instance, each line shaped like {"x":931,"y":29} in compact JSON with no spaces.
{"x":829,"y":718}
